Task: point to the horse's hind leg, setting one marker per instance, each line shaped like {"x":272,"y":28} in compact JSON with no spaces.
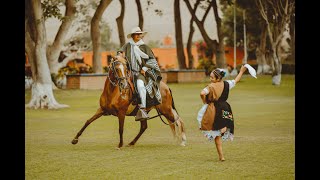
{"x":172,"y":116}
{"x":143,"y":127}
{"x":181,"y":131}
{"x":98,"y":114}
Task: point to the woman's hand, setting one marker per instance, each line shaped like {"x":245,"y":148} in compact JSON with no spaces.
{"x":243,"y":69}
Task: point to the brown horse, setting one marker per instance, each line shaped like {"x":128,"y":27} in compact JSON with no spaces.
{"x":117,"y":98}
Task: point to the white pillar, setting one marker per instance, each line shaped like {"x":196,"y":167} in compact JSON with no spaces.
{"x":234,"y":71}
{"x":245,"y":38}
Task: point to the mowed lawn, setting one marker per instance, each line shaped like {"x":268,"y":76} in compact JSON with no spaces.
{"x":263,"y":147}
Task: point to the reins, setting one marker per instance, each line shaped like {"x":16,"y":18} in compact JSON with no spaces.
{"x":159,"y":115}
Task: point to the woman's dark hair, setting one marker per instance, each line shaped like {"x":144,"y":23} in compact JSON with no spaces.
{"x":219,"y":74}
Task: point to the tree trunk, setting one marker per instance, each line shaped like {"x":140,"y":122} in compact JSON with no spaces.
{"x":178,"y":34}
{"x":120,"y":24}
{"x":277,"y":66}
{"x":140,"y":14}
{"x":293,"y":39}
{"x":220,"y":54}
{"x":30,"y":46}
{"x":280,"y":13}
{"x":53,"y":50}
{"x":263,"y":66}
{"x":41,"y":91}
{"x":212,"y":44}
{"x":56,"y":65}
{"x":95,"y":36}
{"x":189,"y":45}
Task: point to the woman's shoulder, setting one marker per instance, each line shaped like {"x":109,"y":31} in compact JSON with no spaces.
{"x":211,"y":85}
{"x":216,"y":85}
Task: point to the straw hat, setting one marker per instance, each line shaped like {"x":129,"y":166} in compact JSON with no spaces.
{"x":136,"y":30}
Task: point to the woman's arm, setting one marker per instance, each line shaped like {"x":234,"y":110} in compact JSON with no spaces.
{"x":242,"y":70}
{"x":203,"y":94}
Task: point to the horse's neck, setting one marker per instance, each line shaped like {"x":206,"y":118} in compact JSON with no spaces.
{"x":113,"y":92}
{"x":111,"y":89}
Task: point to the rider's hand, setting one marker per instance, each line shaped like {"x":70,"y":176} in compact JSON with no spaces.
{"x":143,"y":72}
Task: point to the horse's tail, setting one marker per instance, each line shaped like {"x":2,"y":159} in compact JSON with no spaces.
{"x":173,"y":102}
{"x":180,"y":124}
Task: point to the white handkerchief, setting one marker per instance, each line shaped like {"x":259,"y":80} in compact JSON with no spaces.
{"x":251,"y":70}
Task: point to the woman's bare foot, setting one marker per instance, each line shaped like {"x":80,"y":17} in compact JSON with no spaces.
{"x":223,"y":130}
{"x":222,"y":159}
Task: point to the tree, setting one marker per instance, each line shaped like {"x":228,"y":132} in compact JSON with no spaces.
{"x":82,"y":24}
{"x":257,"y":32}
{"x":178,"y":34}
{"x":140,"y":14}
{"x":277,"y":15}
{"x":53,"y":50}
{"x":190,"y":36}
{"x":221,"y":61}
{"x":95,"y":35}
{"x":36,"y":47}
{"x":85,"y":42}
{"x":120,"y":24}
{"x":255,"y":26}
{"x":212,"y":44}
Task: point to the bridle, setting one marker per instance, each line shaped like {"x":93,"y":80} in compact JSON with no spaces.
{"x":119,"y":79}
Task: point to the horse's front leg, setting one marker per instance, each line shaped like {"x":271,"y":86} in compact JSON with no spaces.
{"x":143,"y":127}
{"x":98,"y":114}
{"x":121,"y":118}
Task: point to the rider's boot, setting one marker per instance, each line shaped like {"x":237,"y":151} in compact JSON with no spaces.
{"x":142,"y":115}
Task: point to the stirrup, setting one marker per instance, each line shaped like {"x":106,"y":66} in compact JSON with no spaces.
{"x":142,"y":115}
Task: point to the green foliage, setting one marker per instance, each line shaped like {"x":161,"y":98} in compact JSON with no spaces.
{"x":150,"y":3}
{"x":253,"y":22}
{"x":203,"y":50}
{"x":84,"y":38}
{"x":204,"y":53}
{"x":206,"y":64}
{"x":51,"y":9}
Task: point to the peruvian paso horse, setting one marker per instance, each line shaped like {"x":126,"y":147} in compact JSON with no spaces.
{"x":117,"y":98}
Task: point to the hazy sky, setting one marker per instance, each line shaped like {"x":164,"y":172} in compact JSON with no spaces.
{"x":156,"y":26}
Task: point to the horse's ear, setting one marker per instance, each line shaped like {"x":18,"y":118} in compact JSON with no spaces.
{"x":111,"y":59}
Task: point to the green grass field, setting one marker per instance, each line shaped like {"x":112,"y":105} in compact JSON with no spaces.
{"x":263,"y":147}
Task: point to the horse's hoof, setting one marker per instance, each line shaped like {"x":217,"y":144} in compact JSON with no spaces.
{"x":130,"y":145}
{"x":74,"y":141}
{"x":182,"y":144}
{"x":117,"y":148}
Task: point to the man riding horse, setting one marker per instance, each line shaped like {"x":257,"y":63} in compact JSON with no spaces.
{"x":145,"y":69}
{"x":119,"y":98}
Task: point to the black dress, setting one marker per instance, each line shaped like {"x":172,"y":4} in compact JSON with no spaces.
{"x":224,"y":116}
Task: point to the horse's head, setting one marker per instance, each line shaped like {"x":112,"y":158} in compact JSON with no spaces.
{"x":121,"y":73}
